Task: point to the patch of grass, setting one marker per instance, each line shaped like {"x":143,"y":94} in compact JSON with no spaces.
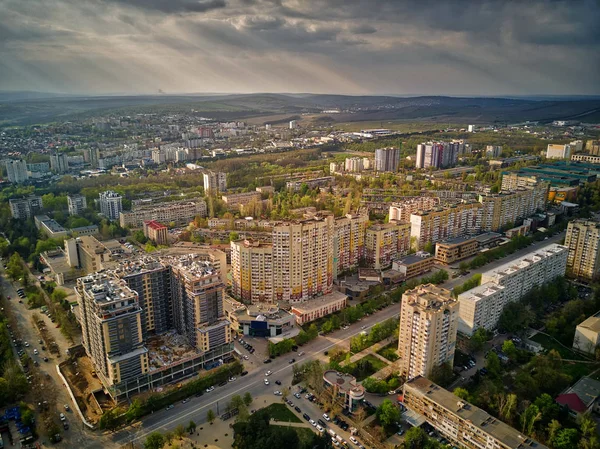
{"x":365,"y":367}
{"x":578,"y":370}
{"x":389,"y":351}
{"x":549,"y":344}
{"x":281,"y":412}
{"x":305,"y":435}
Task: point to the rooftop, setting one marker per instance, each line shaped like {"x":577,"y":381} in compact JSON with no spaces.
{"x":153,"y":224}
{"x":586,"y":389}
{"x":317,"y":303}
{"x":511,"y":437}
{"x":345,"y":382}
{"x":413,"y":258}
{"x":480,"y":292}
{"x":592,"y":323}
{"x":457,"y":241}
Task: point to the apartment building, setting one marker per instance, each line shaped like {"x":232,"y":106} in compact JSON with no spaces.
{"x":50,"y":227}
{"x":438,"y":154}
{"x":445,"y":223}
{"x":508,"y":283}
{"x":77,"y":204}
{"x":556,"y":151}
{"x":110,"y":204}
{"x":111,"y":325}
{"x":16,"y":170}
{"x":303,"y":259}
{"x":25,"y":208}
{"x":456,"y":249}
{"x":493,"y":151}
{"x":59,"y":162}
{"x":86,"y":253}
{"x":512,"y":181}
{"x":385,"y":242}
{"x":311,"y":183}
{"x":198,"y":303}
{"x":236,"y":201}
{"x":151,"y":280}
{"x":402,"y":210}
{"x":413,"y":265}
{"x":348,"y":242}
{"x":156,"y":232}
{"x":501,"y":209}
{"x":428,"y":325}
{"x":583,"y":241}
{"x":460,"y":422}
{"x":587,"y":334}
{"x":387,"y":159}
{"x":179,"y":212}
{"x":215,"y":182}
{"x":252,"y":271}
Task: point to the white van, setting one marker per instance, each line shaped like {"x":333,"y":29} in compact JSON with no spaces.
{"x":332,"y":433}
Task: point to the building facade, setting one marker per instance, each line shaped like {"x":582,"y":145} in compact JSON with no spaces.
{"x":215,"y":182}
{"x":179,"y":212}
{"x":16,"y":171}
{"x":583,"y":241}
{"x":445,"y":223}
{"x":156,"y":232}
{"x":508,"y":283}
{"x":457,"y":249}
{"x":402,"y":210}
{"x":25,"y":208}
{"x":350,"y":392}
{"x":463,"y":424}
{"x":314,"y":309}
{"x":387,"y":159}
{"x":59,"y":162}
{"x":111,"y":204}
{"x":386,"y":242}
{"x":77,"y":204}
{"x":236,"y":201}
{"x":252,"y":271}
{"x":348,"y":242}
{"x":428,"y":326}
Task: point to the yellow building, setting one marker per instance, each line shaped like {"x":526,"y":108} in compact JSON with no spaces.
{"x":583,"y":241}
{"x":428,"y":326}
{"x":456,"y":249}
{"x":252,"y":271}
{"x":349,"y":242}
{"x":385,"y":242}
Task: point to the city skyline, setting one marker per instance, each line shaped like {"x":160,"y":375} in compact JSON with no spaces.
{"x":454,"y":48}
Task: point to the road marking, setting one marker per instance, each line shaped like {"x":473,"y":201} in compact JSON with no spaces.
{"x":163,"y":424}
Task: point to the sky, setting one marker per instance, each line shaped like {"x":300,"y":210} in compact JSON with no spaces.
{"x":357,"y":47}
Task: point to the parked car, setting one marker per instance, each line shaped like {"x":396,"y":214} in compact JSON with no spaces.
{"x":268,"y":373}
{"x":63,"y":417}
{"x":326,"y":417}
{"x":278,"y":382}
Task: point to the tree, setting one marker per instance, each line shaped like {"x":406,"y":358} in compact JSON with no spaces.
{"x":110,"y":420}
{"x":553,"y":429}
{"x":478,"y":339}
{"x":415,"y":438}
{"x":442,"y":374}
{"x":508,"y":407}
{"x":154,"y":441}
{"x":530,"y":416}
{"x":247,"y":399}
{"x":210,"y":416}
{"x":509,"y":348}
{"x":180,"y":431}
{"x":236,"y":401}
{"x":462,"y":393}
{"x":492,"y":363}
{"x":566,"y":439}
{"x":387,"y":413}
{"x":191,"y":428}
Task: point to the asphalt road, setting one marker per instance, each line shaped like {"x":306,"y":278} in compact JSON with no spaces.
{"x":451,"y":283}
{"x":197,"y":408}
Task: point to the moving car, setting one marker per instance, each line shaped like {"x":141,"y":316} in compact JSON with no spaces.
{"x":266,"y":381}
{"x":268,"y":373}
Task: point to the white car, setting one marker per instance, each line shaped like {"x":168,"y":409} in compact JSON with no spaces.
{"x":335,"y":442}
{"x":320,"y":429}
{"x":246,"y":357}
{"x":326,"y":417}
{"x":63,"y":417}
{"x":354,"y":440}
{"x":209,"y":389}
{"x":26,"y":344}
{"x":277,"y":393}
{"x":301,"y":353}
{"x":268,"y":373}
{"x":313,"y":423}
{"x":35,"y":351}
{"x":232,"y":379}
{"x":266,"y":381}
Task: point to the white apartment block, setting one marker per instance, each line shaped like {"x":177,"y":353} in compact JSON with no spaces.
{"x":509,"y":283}
{"x":354,"y":164}
{"x":445,"y":223}
{"x":16,"y":170}
{"x":427,"y":332}
{"x":180,"y":212}
{"x":556,"y":151}
{"x":77,"y":204}
{"x":111,"y":204}
{"x":215,"y":182}
{"x":402,"y":210}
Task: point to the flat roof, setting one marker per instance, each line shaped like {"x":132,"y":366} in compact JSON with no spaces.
{"x":477,"y":417}
{"x":317,"y":303}
{"x":457,"y":241}
{"x":481,"y":291}
{"x":412,"y":259}
{"x":345,"y":382}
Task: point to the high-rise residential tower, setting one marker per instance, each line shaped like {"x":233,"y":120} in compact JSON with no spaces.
{"x":583,"y":241}
{"x":111,"y":204}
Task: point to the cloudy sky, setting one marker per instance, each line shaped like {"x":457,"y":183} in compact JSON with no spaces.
{"x":457,"y":47}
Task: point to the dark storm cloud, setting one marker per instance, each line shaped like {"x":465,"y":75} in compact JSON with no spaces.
{"x":353,"y":46}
